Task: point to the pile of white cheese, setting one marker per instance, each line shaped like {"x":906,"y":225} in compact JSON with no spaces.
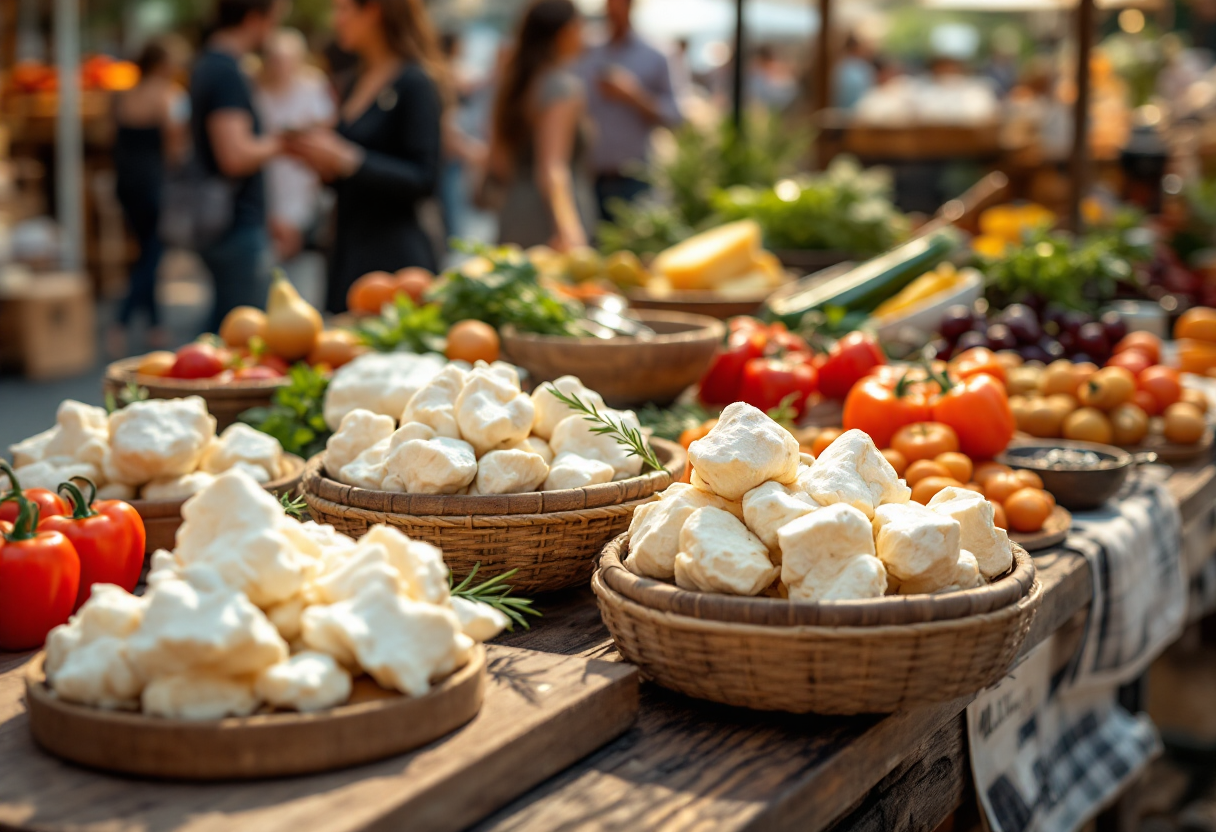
{"x":475,"y":432}
{"x":159,"y":449}
{"x":758,"y":519}
{"x":253,"y":609}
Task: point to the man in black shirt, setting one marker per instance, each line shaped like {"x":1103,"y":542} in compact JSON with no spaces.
{"x":229,"y":143}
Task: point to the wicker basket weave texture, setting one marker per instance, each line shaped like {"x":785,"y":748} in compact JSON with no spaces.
{"x":812,"y":669}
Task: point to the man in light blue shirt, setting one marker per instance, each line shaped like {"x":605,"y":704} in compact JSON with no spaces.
{"x":629,"y":93}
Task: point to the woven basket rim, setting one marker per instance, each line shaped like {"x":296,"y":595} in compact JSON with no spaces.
{"x":317,"y":483}
{"x":162,"y":508}
{"x":608,"y":595}
{"x":892,"y":610}
{"x":123,"y":371}
{"x":478,"y":521}
{"x":700,"y":328}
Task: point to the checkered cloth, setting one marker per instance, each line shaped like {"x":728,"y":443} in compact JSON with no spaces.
{"x":1050,"y":746}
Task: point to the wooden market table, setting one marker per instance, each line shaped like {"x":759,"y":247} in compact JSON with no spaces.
{"x":684,"y":764}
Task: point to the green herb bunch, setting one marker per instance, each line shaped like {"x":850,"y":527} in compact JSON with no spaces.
{"x":295,"y":417}
{"x":404,"y":325}
{"x":631,"y":439}
{"x":496,"y":592}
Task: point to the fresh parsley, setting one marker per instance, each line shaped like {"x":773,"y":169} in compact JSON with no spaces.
{"x":295,"y":416}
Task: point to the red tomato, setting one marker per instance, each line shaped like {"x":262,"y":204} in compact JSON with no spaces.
{"x":781,"y":341}
{"x":978,"y":410}
{"x":48,"y":501}
{"x":769,"y":381}
{"x":849,"y":361}
{"x":1163,"y":383}
{"x":1145,"y":401}
{"x":1146,"y":342}
{"x":197,"y":361}
{"x":274,"y":362}
{"x":39,"y":579}
{"x":1134,"y":360}
{"x":882,"y":403}
{"x":720,"y":384}
{"x":109,"y":539}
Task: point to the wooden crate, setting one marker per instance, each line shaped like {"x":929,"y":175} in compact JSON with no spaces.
{"x":48,"y":326}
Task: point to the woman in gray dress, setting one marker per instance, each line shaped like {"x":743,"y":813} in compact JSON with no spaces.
{"x":538,"y":141}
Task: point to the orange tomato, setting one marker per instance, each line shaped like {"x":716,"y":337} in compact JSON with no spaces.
{"x":959,"y":465}
{"x":1163,"y":383}
{"x":472,"y":341}
{"x":1146,"y":402}
{"x":925,"y":490}
{"x":998,"y":516}
{"x":1146,"y":342}
{"x":414,"y":281}
{"x":693,"y":434}
{"x":1134,"y":361}
{"x":1199,"y":323}
{"x":1184,"y":423}
{"x":825,"y":437}
{"x":924,"y":468}
{"x":885,"y":401}
{"x":978,"y":410}
{"x":924,"y":440}
{"x":986,"y":469}
{"x":1195,"y":356}
{"x":898,"y":461}
{"x":1195,"y":397}
{"x":978,"y":360}
{"x":974,"y":486}
{"x":369,"y":293}
{"x":1029,"y":478}
{"x":1027,"y":509}
{"x":998,"y":487}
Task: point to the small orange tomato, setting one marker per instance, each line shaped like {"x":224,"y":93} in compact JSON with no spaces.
{"x":1134,"y":361}
{"x":999,"y":486}
{"x":1198,"y":323}
{"x":693,"y":434}
{"x":1028,"y":478}
{"x":986,"y":469}
{"x":1146,"y":402}
{"x":959,"y":465}
{"x":974,"y":486}
{"x":897,"y":460}
{"x":998,"y":516}
{"x":825,"y":437}
{"x":1146,"y":342}
{"x":1027,"y":509}
{"x":157,"y":363}
{"x":1192,"y":396}
{"x":924,"y":468}
{"x":924,"y":440}
{"x":925,"y":490}
{"x":413,"y":281}
{"x":369,"y":293}
{"x":1184,"y":424}
{"x":472,"y":341}
{"x":1195,"y":356}
{"x":1164,"y":383}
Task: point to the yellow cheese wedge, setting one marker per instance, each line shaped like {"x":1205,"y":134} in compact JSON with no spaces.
{"x":711,"y":258}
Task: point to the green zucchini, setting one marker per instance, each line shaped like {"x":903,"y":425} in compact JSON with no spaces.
{"x":868,"y":284}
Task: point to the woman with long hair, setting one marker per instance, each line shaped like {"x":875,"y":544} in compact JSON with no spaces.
{"x":384,"y":157}
{"x":538,"y":142}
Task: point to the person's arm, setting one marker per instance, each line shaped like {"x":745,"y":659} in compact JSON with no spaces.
{"x":238,"y":151}
{"x":556,"y":128}
{"x":656,"y":105}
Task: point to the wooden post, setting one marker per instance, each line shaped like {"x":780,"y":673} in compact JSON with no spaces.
{"x":737,"y":108}
{"x":1080,"y":138}
{"x":823,"y":59}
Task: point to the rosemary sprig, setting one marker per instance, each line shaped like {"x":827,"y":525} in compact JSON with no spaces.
{"x":784,"y":413}
{"x":630,"y":439}
{"x":293,"y":506}
{"x":495,"y":592}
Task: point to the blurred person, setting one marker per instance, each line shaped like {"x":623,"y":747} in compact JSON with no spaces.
{"x":151,"y":134}
{"x":383,"y":159}
{"x":461,"y":150}
{"x":629,"y":93}
{"x":771,"y":81}
{"x":539,"y":138}
{"x":231,"y":143}
{"x":855,"y":74}
{"x":291,"y":96}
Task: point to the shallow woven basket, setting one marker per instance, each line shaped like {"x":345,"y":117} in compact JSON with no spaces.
{"x":839,"y":657}
{"x":225,"y":401}
{"x":551,"y":537}
{"x":162,"y":517}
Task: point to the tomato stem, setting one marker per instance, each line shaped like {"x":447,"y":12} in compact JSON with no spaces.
{"x":26,"y":525}
{"x":7,"y":470}
{"x":81,"y":508}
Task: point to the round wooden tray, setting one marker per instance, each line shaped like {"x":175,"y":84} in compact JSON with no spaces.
{"x":890,"y":610}
{"x":1053,"y":533}
{"x":225,"y":401}
{"x":1171,"y":451}
{"x":162,"y":517}
{"x":712,"y":304}
{"x":625,"y":371}
{"x":374,"y":724}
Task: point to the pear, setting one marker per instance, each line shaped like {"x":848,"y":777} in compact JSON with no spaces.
{"x":292,"y":325}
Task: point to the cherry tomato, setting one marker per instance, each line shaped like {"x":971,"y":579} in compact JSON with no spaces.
{"x":1163,"y":383}
{"x":849,"y":360}
{"x":39,"y":579}
{"x":109,"y":539}
{"x":925,"y":440}
{"x":978,"y":360}
{"x":197,"y":361}
{"x":767,"y":382}
{"x":49,"y":503}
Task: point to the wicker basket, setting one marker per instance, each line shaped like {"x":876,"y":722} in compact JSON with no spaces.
{"x":225,"y":401}
{"x":843,"y":657}
{"x":551,"y":537}
{"x":162,"y":517}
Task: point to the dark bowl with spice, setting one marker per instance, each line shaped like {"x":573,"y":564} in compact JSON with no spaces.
{"x":1080,"y":475}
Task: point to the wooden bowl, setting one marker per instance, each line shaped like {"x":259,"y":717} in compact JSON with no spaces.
{"x":1080,"y":489}
{"x":710,"y":304}
{"x":551,"y":537}
{"x":625,"y":371}
{"x":225,"y":401}
{"x":163,"y":517}
{"x":374,"y":724}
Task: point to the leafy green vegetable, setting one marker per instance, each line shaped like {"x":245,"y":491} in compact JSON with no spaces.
{"x":130,"y":392}
{"x":510,"y":293}
{"x":644,"y":226}
{"x":295,"y":416}
{"x":405,"y":326}
{"x":668,"y":423}
{"x":495,"y":592}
